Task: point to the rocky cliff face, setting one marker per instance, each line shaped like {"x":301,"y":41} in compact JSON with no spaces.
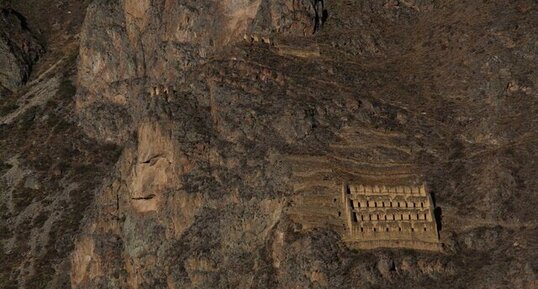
{"x":237,"y":124}
{"x":49,"y":169}
{"x":153,"y":45}
{"x":19,"y":50}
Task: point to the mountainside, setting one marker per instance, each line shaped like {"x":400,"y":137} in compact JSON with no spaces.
{"x":204,"y":144}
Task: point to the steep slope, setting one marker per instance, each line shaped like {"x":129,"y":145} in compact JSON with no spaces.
{"x":19,"y":50}
{"x":208,"y":141}
{"x":235,"y":148}
{"x":49,"y":169}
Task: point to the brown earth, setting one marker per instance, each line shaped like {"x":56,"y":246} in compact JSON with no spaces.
{"x":201,"y":144}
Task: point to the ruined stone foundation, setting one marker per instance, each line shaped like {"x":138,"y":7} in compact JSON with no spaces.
{"x":393,"y":217}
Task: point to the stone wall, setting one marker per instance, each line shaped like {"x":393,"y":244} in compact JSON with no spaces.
{"x":396,"y":216}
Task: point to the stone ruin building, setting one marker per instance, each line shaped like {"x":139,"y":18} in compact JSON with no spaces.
{"x":394,"y":217}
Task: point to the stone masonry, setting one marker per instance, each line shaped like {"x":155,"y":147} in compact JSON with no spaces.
{"x":394,"y":217}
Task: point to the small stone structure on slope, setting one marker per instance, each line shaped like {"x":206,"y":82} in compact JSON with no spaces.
{"x":393,"y":217}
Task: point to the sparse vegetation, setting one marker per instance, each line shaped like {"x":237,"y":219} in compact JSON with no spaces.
{"x":387,"y":91}
{"x":4,"y":167}
{"x":7,"y":108}
{"x":26,"y":120}
{"x":67,"y":89}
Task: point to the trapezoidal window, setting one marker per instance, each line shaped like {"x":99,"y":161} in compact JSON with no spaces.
{"x":421,"y":205}
{"x":362,"y":229}
{"x":387,"y":229}
{"x":355,"y":217}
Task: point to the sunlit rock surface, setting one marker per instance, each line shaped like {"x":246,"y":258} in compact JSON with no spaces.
{"x":205,"y":144}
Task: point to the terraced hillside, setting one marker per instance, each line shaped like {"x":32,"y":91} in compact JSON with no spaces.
{"x":204,"y":144}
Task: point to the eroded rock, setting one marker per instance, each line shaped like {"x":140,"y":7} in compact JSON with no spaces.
{"x":19,"y":49}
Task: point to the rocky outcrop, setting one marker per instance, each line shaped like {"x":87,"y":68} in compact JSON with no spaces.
{"x":156,"y":44}
{"x":19,"y":50}
{"x":49,"y":169}
{"x":208,"y":141}
{"x":240,"y":126}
